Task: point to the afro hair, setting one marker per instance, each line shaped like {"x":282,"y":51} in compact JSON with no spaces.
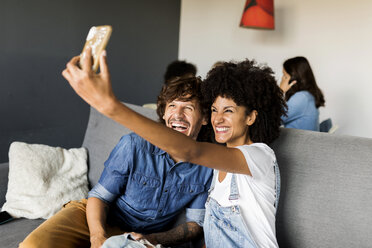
{"x":252,"y":86}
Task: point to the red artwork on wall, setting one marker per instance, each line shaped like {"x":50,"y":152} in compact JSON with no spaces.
{"x":258,"y":14}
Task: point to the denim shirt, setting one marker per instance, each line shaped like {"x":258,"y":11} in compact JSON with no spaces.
{"x":147,"y":189}
{"x":302,"y":112}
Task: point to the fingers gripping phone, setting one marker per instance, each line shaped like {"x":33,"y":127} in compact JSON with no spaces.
{"x":97,"y":39}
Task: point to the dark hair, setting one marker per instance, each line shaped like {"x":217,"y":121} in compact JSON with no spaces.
{"x":253,"y":87}
{"x":179,"y":68}
{"x":299,"y":69}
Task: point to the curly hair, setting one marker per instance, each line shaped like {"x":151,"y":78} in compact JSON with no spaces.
{"x":252,"y":86}
{"x":299,"y":69}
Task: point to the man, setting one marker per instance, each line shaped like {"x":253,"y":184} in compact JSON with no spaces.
{"x":142,"y":189}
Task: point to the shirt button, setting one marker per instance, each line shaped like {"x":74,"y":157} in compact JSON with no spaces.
{"x":191,"y":191}
{"x":166,"y":191}
{"x":144,"y":183}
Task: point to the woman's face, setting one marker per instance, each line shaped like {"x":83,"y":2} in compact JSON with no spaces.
{"x":230,"y":122}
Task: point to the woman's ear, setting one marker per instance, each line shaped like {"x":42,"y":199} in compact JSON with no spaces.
{"x":251,"y":118}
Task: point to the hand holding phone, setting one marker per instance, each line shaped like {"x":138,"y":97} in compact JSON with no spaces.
{"x":97,"y":40}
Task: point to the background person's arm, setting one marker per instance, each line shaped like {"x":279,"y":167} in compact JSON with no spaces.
{"x":96,"y":216}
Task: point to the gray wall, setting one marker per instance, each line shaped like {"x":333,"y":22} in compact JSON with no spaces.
{"x":39,"y":37}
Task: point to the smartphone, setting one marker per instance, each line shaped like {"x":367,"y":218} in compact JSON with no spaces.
{"x":5,"y":217}
{"x":97,"y":39}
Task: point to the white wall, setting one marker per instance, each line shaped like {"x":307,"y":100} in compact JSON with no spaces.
{"x":335,"y":36}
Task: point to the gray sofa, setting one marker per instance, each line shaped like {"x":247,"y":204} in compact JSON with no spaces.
{"x":326,"y":192}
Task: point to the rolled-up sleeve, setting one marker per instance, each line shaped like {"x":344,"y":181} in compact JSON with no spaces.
{"x":195,"y":211}
{"x":101,"y":193}
{"x":195,"y":215}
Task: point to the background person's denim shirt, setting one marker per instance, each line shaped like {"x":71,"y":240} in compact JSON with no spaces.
{"x":302,"y":112}
{"x":147,"y":189}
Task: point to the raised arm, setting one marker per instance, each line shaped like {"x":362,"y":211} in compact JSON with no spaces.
{"x":96,"y":90}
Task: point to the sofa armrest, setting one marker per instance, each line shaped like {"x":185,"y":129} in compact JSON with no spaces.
{"x":4,"y":171}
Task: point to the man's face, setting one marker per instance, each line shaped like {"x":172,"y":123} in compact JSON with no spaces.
{"x":184,"y":117}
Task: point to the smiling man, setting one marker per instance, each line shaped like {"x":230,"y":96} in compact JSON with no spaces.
{"x":142,"y":189}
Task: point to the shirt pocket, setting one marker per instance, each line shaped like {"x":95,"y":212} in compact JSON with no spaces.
{"x":143,"y":189}
{"x":187,"y":193}
{"x":192,"y":189}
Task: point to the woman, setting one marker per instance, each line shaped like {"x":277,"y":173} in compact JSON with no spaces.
{"x":245,"y":115}
{"x":302,"y":94}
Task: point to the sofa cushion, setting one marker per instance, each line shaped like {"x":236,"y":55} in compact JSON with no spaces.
{"x":326,"y":187}
{"x":43,"y":178}
{"x":14,"y":232}
{"x":102,"y":135}
{"x":4,"y":170}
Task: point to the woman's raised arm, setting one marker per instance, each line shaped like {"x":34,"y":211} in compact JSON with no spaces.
{"x":96,"y":90}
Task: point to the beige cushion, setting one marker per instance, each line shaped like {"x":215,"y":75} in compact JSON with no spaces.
{"x":43,"y":178}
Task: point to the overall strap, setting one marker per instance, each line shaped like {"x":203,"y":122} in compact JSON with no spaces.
{"x":234,"y":191}
{"x":277,"y":184}
{"x":215,"y":172}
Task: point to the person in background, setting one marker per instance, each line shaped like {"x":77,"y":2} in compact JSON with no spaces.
{"x":179,"y":68}
{"x":217,"y":63}
{"x":246,"y":106}
{"x":175,"y":71}
{"x":302,"y":94}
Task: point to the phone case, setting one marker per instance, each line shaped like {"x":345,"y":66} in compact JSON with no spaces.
{"x":97,"y":39}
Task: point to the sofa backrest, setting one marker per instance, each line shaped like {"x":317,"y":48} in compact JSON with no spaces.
{"x":102,"y":135}
{"x":326,"y":190}
{"x":326,"y":182}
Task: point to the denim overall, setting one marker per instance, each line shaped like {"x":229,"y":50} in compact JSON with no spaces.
{"x":225,"y":226}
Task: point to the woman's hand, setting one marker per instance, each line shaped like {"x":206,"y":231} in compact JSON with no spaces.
{"x":94,"y":88}
{"x":285,"y":85}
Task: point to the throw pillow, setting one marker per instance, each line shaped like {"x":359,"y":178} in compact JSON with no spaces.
{"x":43,"y":178}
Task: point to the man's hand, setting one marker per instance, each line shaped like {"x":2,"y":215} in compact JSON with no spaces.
{"x":97,"y":241}
{"x":94,"y":88}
